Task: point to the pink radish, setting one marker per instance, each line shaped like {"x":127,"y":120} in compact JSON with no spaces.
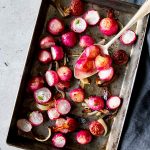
{"x":69,"y":39}
{"x":24,"y":125}
{"x":64,"y":73}
{"x":59,"y":140}
{"x":53,"y":114}
{"x":36,"y":118}
{"x":51,"y":77}
{"x":83,"y":137}
{"x":42,"y":95}
{"x":45,"y":56}
{"x":113,"y":102}
{"x":78,"y":25}
{"x":106,"y":74}
{"x":128,"y":38}
{"x":55,"y":26}
{"x":57,"y":52}
{"x":92,"y":17}
{"x":62,"y":85}
{"x":63,"y":106}
{"x":35,"y":83}
{"x":47,"y":42}
{"x":86,"y":41}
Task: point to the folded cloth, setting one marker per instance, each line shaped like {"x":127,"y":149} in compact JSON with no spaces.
{"x":136,"y":132}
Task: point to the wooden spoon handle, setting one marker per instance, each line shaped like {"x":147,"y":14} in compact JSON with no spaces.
{"x":143,"y":11}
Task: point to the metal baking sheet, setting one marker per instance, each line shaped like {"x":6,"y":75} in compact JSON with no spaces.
{"x":122,"y":85}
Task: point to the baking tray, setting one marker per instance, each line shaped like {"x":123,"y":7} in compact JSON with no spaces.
{"x":122,"y":85}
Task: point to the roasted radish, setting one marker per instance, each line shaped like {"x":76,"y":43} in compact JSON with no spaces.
{"x":64,"y":73}
{"x":77,"y":95}
{"x":62,"y":85}
{"x":45,"y":56}
{"x":42,"y":95}
{"x":83,"y":137}
{"x":51,"y":77}
{"x":128,"y":37}
{"x":96,"y":128}
{"x":35,"y":83}
{"x":55,"y":26}
{"x":92,"y":17}
{"x":72,"y":124}
{"x":86,"y":41}
{"x":103,"y":62}
{"x":69,"y":39}
{"x":63,"y":106}
{"x":78,"y":25}
{"x":36,"y":118}
{"x":59,"y":140}
{"x":95,"y":103}
{"x":106,"y":74}
{"x":24,"y":125}
{"x":47,"y":42}
{"x":113,"y":102}
{"x":53,"y":114}
{"x":57,"y":52}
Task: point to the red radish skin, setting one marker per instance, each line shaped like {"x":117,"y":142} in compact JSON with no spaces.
{"x":128,"y":38}
{"x":59,"y":140}
{"x":103,"y":62}
{"x":63,"y":106}
{"x":106,"y":74}
{"x":92,"y":17}
{"x":35,"y":83}
{"x":92,"y":52}
{"x":42,"y":95}
{"x":55,"y":26}
{"x":44,"y":56}
{"x":53,"y":114}
{"x":47,"y":42}
{"x":86,"y":41}
{"x":77,"y":95}
{"x":24,"y":125}
{"x":83,"y":137}
{"x":51,"y":77}
{"x":36,"y":118}
{"x":63,"y":85}
{"x":113,"y":102}
{"x":78,"y":25}
{"x":64,"y":73}
{"x":69,"y":39}
{"x":96,"y":128}
{"x":57,"y":52}
{"x":72,"y":124}
{"x":95,"y":103}
{"x":108,"y":26}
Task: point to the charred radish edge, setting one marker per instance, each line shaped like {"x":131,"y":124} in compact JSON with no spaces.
{"x":128,"y":37}
{"x":53,"y":114}
{"x":78,"y":29}
{"x":112,"y":104}
{"x":93,"y":15}
{"x":24,"y":125}
{"x":101,"y":121}
{"x":46,"y":138}
{"x":57,"y":138}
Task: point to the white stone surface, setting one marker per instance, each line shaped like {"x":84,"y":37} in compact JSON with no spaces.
{"x":17,"y":21}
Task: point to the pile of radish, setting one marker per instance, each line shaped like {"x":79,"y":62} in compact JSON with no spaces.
{"x":45,"y":89}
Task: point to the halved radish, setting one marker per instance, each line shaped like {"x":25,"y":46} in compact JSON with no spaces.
{"x":92,"y":17}
{"x":106,"y":74}
{"x":53,"y":113}
{"x":59,"y":140}
{"x":128,"y":37}
{"x":63,"y":106}
{"x":24,"y":125}
{"x":47,"y":42}
{"x":36,"y":118}
{"x":78,"y":25}
{"x":113,"y":102}
{"x":42,"y":95}
{"x":45,"y":56}
{"x":51,"y":77}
